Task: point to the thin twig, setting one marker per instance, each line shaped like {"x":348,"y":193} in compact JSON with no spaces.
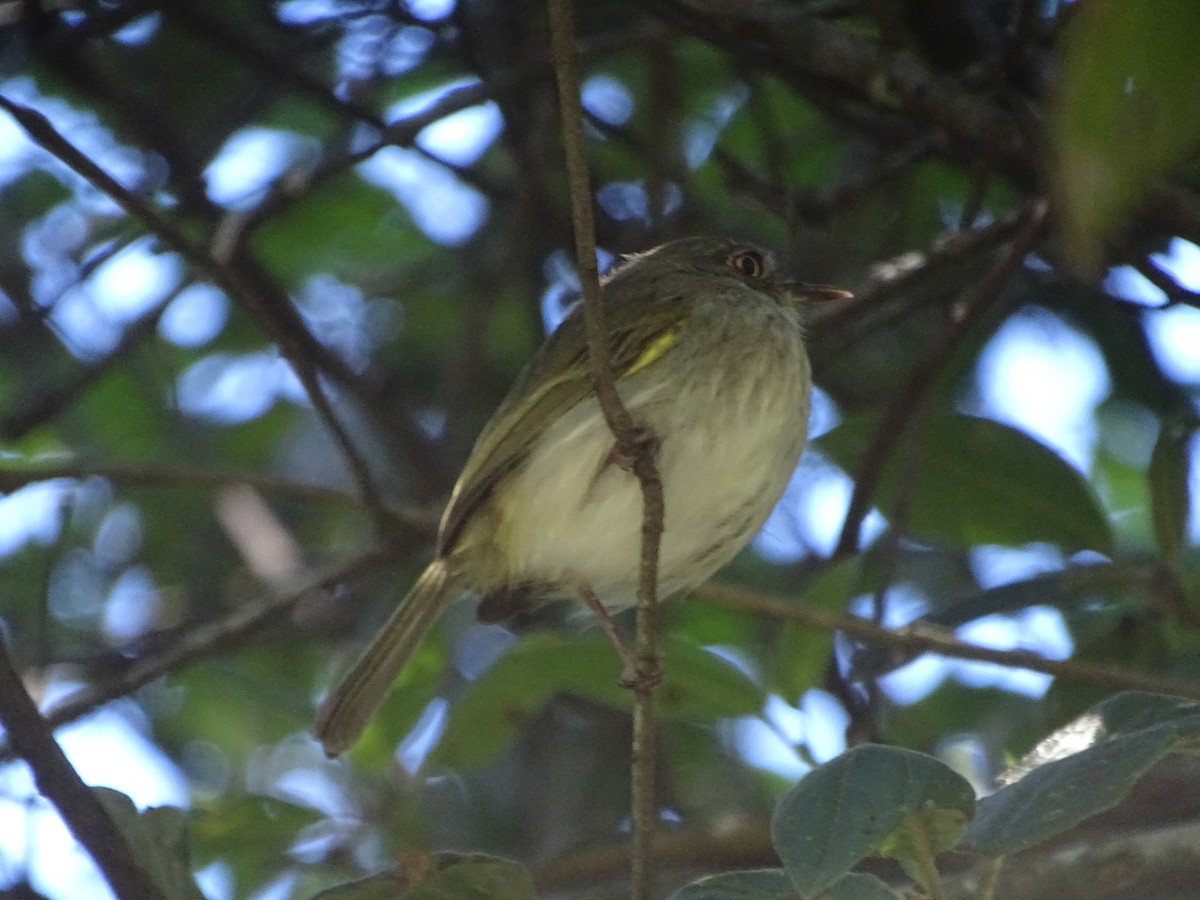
{"x":870,"y":312}
{"x":419,"y":522}
{"x":1174,"y":291}
{"x":30,"y":737}
{"x":46,"y":136}
{"x":403,"y":132}
{"x":198,"y":643}
{"x":744,"y":843}
{"x":625,"y":433}
{"x":924,"y":638}
{"x":16,"y":475}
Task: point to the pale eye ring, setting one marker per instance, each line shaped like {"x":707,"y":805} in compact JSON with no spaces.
{"x":748,"y":262}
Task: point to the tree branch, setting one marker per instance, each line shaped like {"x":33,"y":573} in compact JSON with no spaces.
{"x":30,"y":737}
{"x":620,"y":422}
{"x":198,"y":643}
{"x":922,"y":637}
{"x":243,"y":283}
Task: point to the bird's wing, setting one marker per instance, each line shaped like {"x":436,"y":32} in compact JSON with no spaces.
{"x":556,"y":380}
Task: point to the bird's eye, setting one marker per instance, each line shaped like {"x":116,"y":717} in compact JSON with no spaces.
{"x":749,"y":263}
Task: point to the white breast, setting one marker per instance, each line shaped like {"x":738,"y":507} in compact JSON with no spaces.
{"x":574,"y":517}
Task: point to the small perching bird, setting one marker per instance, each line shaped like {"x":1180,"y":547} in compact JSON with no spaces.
{"x":707,"y":349}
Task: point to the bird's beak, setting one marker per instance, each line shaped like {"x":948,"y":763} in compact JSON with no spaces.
{"x":817,"y":291}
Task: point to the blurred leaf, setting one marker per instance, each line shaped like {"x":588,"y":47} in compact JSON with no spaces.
{"x":353,"y":233}
{"x":802,"y":653}
{"x":1114,"y":744}
{"x":980,"y":482}
{"x":159,"y":840}
{"x":29,"y":197}
{"x":1170,"y":497}
{"x":1014,"y":720}
{"x":857,"y":886}
{"x":124,"y":416}
{"x":1119,"y":332}
{"x":1088,"y":587}
{"x":475,"y":879}
{"x":1124,"y":635}
{"x":1129,"y":79}
{"x":708,"y":625}
{"x":1124,"y":488}
{"x":242,"y":702}
{"x":860,"y":804}
{"x":698,"y":686}
{"x":1131,"y":711}
{"x":456,"y":877}
{"x":220,"y":830}
{"x":761,"y":884}
{"x":1063,"y":589}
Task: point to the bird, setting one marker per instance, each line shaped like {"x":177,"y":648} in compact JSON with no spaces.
{"x":707,"y":346}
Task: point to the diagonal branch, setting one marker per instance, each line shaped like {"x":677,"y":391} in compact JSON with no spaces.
{"x":925,"y":638}
{"x":198,"y":643}
{"x":30,"y":737}
{"x":278,"y":316}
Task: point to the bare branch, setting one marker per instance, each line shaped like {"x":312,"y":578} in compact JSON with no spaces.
{"x":925,"y":638}
{"x":30,"y":737}
{"x":625,"y":433}
{"x":199,"y":643}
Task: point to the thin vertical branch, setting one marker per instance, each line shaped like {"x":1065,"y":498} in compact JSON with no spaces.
{"x":623,"y":429}
{"x":58,"y":782}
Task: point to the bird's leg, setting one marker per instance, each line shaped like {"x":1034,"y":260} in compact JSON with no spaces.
{"x":631,"y":677}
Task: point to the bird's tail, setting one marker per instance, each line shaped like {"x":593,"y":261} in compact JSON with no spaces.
{"x":352,"y":704}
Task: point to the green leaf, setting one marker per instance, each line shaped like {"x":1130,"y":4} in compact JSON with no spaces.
{"x":757,"y":884}
{"x":1170,"y":498}
{"x":28,"y":197}
{"x":858,"y":804}
{"x":475,"y":876}
{"x":979,"y":482}
{"x":219,"y":832}
{"x":774,"y":884}
{"x":355,"y":232}
{"x":226,"y":700}
{"x":698,"y":686}
{"x":857,"y":886}
{"x":1110,"y":747}
{"x":802,"y":653}
{"x":476,"y":879}
{"x":1129,"y":80}
{"x":159,"y":841}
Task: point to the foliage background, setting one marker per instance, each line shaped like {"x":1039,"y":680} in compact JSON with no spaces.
{"x":238,"y":376}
